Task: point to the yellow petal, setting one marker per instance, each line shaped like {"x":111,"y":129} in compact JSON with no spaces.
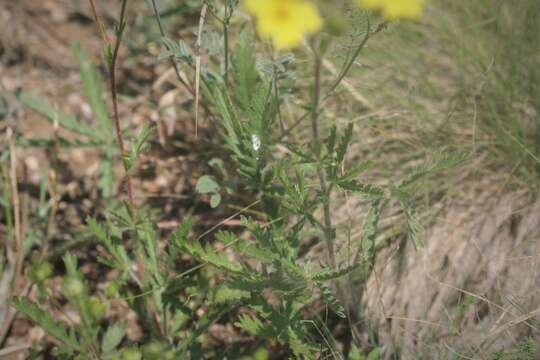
{"x":285,"y":22}
{"x":403,"y":9}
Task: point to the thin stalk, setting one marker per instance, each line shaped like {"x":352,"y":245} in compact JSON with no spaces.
{"x":19,"y":256}
{"x":226,"y":45}
{"x":350,"y":62}
{"x":171,"y":58}
{"x":114,"y":94}
{"x":111,"y":59}
{"x":8,"y":211}
{"x":324,"y":188}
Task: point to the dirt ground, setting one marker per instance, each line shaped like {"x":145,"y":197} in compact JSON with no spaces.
{"x":36,"y":55}
{"x":476,"y":285}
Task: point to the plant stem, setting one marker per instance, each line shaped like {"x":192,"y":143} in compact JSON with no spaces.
{"x":325,"y":189}
{"x":17,"y":246}
{"x":171,"y":58}
{"x":226,"y":45}
{"x":111,"y":65}
{"x":350,"y":62}
{"x":114,"y":94}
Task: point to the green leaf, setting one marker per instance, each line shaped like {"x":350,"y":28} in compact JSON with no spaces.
{"x":330,"y":274}
{"x":331,"y":300}
{"x":440,"y":161}
{"x":245,"y":70}
{"x":207,"y":184}
{"x":215,"y":200}
{"x":413,"y":225}
{"x":113,"y":337}
{"x":94,"y":91}
{"x":366,"y":189}
{"x":44,"y":319}
{"x":370,"y":231}
{"x":214,"y":314}
{"x":344,"y":144}
{"x":97,"y":229}
{"x":140,"y":143}
{"x":62,"y":141}
{"x":68,"y":122}
{"x":252,"y":325}
{"x":356,"y":170}
{"x":224,"y":293}
{"x":106,"y":181}
{"x":375,"y":354}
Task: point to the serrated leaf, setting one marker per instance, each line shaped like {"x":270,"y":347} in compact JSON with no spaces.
{"x":344,"y":144}
{"x":356,"y":170}
{"x":370,"y":231}
{"x":252,"y":325}
{"x":366,"y":189}
{"x":330,"y":274}
{"x":224,"y":293}
{"x":440,"y":161}
{"x":44,"y":319}
{"x":245,"y":70}
{"x":331,"y":300}
{"x":97,"y":229}
{"x":413,"y":225}
{"x":113,"y":337}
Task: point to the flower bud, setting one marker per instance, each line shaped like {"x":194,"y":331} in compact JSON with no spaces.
{"x":73,"y":287}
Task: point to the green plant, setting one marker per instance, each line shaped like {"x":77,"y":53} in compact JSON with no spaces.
{"x":258,"y":280}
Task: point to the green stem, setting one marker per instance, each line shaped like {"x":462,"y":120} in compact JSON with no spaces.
{"x":171,"y":58}
{"x":226,"y":20}
{"x":324,"y":188}
{"x":350,"y":62}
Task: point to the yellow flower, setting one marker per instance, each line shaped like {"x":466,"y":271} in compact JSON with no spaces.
{"x":285,"y":22}
{"x":394,"y":9}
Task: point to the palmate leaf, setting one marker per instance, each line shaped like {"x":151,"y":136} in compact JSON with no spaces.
{"x":44,"y":319}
